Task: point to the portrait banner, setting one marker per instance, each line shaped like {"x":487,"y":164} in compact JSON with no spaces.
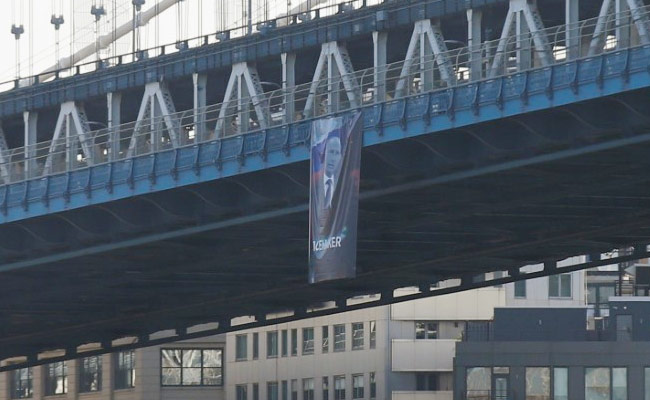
{"x":334,"y":197}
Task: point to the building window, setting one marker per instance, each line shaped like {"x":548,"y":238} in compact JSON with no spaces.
{"x":426,"y":330}
{"x":326,"y":388}
{"x":538,"y":383}
{"x":597,"y":383}
{"x":308,"y":389}
{"x":241,"y":350}
{"x":125,"y":369}
{"x":339,"y":337}
{"x":285,"y":390}
{"x":21,"y":383}
{"x":357,"y":386}
{"x":294,"y":389}
{"x":479,"y":383}
{"x":307,"y":341}
{"x":647,"y":383}
{"x":285,"y":342}
{"x":272,"y":391}
{"x":90,"y":374}
{"x":559,"y":285}
{"x":256,"y":391}
{"x":426,"y":382}
{"x":56,"y":378}
{"x":619,"y":383}
{"x":241,"y":392}
{"x":256,"y":347}
{"x":373,"y":334}
{"x":520,"y":289}
{"x":271,"y":344}
{"x":191,"y":367}
{"x":560,"y":384}
{"x":339,"y":387}
{"x":326,"y":339}
{"x":357,"y":336}
{"x":373,"y":386}
{"x":294,"y":342}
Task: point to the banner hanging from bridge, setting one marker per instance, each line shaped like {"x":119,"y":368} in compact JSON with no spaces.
{"x":334,"y":197}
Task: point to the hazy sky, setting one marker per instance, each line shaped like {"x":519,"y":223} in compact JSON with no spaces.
{"x":195,"y":14}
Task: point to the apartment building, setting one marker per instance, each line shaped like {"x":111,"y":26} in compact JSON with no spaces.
{"x":402,"y":351}
{"x":188,"y":370}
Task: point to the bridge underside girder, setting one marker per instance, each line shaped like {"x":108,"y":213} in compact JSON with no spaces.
{"x":494,"y":196}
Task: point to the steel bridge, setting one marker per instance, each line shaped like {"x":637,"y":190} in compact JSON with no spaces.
{"x":497,"y":134}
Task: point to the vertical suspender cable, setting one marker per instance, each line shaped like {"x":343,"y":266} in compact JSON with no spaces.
{"x":72,"y":33}
{"x":31,"y":37}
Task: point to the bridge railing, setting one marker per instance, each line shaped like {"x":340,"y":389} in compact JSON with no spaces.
{"x":327,"y":96}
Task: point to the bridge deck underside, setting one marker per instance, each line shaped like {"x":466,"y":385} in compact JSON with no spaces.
{"x":494,"y":196}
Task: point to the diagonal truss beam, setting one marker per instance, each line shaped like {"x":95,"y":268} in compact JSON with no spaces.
{"x":157,"y":108}
{"x":5,"y":165}
{"x":71,"y":130}
{"x":426,"y":48}
{"x":244,"y":87}
{"x":334,"y":67}
{"x":523,"y":15}
{"x":608,"y":14}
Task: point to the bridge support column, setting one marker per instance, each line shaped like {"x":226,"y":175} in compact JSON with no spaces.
{"x":5,"y":157}
{"x":244,"y":87}
{"x":71,"y":131}
{"x":524,"y":61}
{"x":157,"y":109}
{"x":622,"y":24}
{"x":200,"y":82}
{"x":523,"y":15}
{"x":335,"y":67}
{"x":30,"y":119}
{"x":426,"y":49}
{"x":380,"y":41}
{"x":114,"y":102}
{"x":288,"y":85}
{"x":474,"y":40}
{"x":572,"y":34}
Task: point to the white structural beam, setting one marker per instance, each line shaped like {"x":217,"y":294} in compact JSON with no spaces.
{"x":200,"y":84}
{"x":426,"y":49}
{"x":572,"y":34}
{"x":157,"y":109}
{"x":104,"y":41}
{"x":333,"y":68}
{"x":244,"y":87}
{"x":380,"y":42}
{"x":474,"y":40}
{"x":600,"y":30}
{"x":114,"y":101}
{"x":640,"y":18}
{"x":524,"y":16}
{"x":288,"y":85}
{"x":71,"y":131}
{"x":30,"y":119}
{"x":5,"y":157}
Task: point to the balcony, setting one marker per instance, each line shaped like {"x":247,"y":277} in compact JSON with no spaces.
{"x":423,"y":355}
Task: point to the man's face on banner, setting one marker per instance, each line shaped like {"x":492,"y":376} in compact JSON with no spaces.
{"x":332,"y":155}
